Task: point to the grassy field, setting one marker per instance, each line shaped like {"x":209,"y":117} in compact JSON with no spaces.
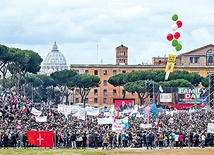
{"x":39,"y":151}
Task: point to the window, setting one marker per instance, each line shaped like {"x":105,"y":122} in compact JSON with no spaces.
{"x":95,"y":91}
{"x":104,"y":82}
{"x":122,"y":60}
{"x":194,"y":59}
{"x":122,"y":53}
{"x":123,"y":71}
{"x":210,"y":57}
{"x":86,"y":71}
{"x":114,"y":72}
{"x":114,"y":92}
{"x":95,"y":100}
{"x":77,"y":91}
{"x":105,"y":101}
{"x":105,"y":91}
{"x":104,"y":72}
{"x":95,"y":72}
{"x":77,"y":100}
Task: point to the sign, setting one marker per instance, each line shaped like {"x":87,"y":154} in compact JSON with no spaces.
{"x":41,"y":119}
{"x":165,"y":97}
{"x":117,"y":127}
{"x":92,"y":111}
{"x":105,"y":120}
{"x":169,"y":67}
{"x":210,"y":128}
{"x":171,"y":58}
{"x":188,"y":95}
{"x":145,"y":126}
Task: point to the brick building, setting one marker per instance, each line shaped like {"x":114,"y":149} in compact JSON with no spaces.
{"x":200,"y":60}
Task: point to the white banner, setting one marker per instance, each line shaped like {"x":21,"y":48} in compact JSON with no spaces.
{"x":35,"y":112}
{"x":165,"y":97}
{"x":105,"y":120}
{"x":41,"y":119}
{"x":108,"y":114}
{"x":117,"y":127}
{"x":92,"y":111}
{"x":125,"y":120}
{"x":210,"y":128}
{"x":145,"y":125}
{"x":61,"y":108}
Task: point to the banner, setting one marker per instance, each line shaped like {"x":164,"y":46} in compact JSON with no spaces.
{"x":165,"y":97}
{"x":171,"y":58}
{"x":123,"y":104}
{"x":117,"y":127}
{"x":41,"y":119}
{"x":92,"y":111}
{"x":35,"y":112}
{"x":187,"y":95}
{"x":145,"y":126}
{"x":210,"y":128}
{"x":125,"y":120}
{"x":40,"y":138}
{"x":105,"y":120}
{"x":61,"y":108}
{"x":169,"y":67}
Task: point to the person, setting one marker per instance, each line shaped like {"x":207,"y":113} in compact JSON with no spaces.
{"x":123,"y":106}
{"x":149,"y":140}
{"x":105,"y":141}
{"x":203,"y":140}
{"x":181,"y":140}
{"x":130,"y":106}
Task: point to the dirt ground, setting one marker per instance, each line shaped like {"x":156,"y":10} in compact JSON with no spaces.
{"x":184,"y":151}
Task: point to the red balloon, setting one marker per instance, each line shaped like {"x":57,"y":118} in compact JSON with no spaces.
{"x":177,"y":35}
{"x":169,"y":37}
{"x":179,"y":23}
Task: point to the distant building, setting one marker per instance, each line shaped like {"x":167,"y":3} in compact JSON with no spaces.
{"x":54,"y":61}
{"x":199,"y":60}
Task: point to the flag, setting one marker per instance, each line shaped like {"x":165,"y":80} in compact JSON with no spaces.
{"x":24,"y":109}
{"x":40,"y":138}
{"x":160,"y":89}
{"x":157,"y":123}
{"x":125,"y":123}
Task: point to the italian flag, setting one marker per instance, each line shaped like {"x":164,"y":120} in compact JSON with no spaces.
{"x":24,"y":109}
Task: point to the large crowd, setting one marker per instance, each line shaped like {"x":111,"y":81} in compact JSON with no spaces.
{"x":172,"y":128}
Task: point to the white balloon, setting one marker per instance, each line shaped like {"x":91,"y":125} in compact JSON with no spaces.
{"x":174,"y":27}
{"x":179,"y":41}
{"x":0,"y":113}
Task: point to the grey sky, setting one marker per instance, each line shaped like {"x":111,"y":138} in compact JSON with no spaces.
{"x":78,"y":26}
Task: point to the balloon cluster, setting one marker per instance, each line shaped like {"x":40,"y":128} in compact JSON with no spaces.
{"x":175,"y":35}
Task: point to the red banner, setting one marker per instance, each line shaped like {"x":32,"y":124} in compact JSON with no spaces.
{"x":40,"y":138}
{"x":122,"y":104}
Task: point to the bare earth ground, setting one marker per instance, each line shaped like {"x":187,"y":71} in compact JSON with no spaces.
{"x":129,"y":151}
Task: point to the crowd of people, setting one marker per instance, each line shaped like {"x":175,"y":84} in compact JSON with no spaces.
{"x":183,"y":128}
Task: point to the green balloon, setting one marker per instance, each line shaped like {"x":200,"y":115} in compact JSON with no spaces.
{"x":174,"y":42}
{"x":175,"y":17}
{"x":178,"y":47}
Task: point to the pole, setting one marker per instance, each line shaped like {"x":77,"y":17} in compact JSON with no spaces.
{"x":32,"y":93}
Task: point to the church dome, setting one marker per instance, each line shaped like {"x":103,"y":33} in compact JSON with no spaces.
{"x":54,"y":61}
{"x":55,"y":57}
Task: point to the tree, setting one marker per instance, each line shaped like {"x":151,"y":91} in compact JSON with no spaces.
{"x":137,"y":87}
{"x":6,"y":57}
{"x":64,"y":80}
{"x":85,"y":82}
{"x":117,"y":80}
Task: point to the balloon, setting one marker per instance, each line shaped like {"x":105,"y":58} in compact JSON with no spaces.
{"x":179,"y":23}
{"x":174,"y":27}
{"x":169,"y":37}
{"x":178,"y":47}
{"x":174,"y":42}
{"x":175,"y":17}
{"x":177,"y":35}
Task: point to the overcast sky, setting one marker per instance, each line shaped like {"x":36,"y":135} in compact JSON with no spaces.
{"x":87,"y":31}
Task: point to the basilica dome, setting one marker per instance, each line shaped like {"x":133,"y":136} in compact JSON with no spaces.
{"x":54,"y":61}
